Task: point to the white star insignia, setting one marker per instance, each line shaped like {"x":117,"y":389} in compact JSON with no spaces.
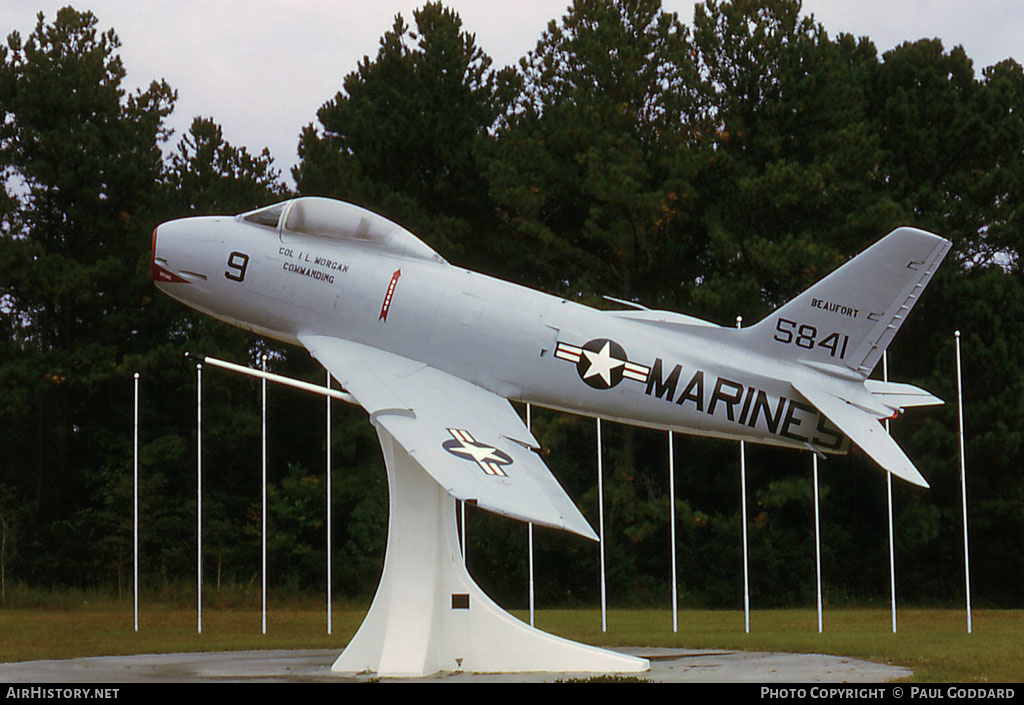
{"x":602,"y":363}
{"x":488,"y":458}
{"x":479,"y":453}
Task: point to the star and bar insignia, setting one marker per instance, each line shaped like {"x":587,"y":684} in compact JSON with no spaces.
{"x":602,"y":363}
{"x":489,"y":458}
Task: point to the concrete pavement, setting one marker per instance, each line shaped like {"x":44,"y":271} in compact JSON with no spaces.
{"x":667,"y":666}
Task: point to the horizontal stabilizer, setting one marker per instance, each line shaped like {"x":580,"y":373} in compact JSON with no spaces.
{"x":865,"y":431}
{"x":897,"y":395}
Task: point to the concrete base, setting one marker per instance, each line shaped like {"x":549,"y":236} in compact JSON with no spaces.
{"x":314,"y":666}
{"x":429,"y":615}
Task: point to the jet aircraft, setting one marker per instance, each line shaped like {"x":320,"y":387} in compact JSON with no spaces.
{"x":435,"y":353}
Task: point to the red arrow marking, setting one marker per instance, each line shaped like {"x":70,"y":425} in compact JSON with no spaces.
{"x":387,"y":297}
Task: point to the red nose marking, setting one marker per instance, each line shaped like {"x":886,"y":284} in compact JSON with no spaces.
{"x":161,"y":274}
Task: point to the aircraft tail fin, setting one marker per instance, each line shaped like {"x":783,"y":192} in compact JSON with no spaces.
{"x":849,"y":318}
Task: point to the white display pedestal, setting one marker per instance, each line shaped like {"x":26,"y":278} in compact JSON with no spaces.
{"x":429,"y":615}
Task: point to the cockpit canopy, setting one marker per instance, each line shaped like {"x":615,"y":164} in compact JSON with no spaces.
{"x":337,"y":220}
{"x":268,"y":215}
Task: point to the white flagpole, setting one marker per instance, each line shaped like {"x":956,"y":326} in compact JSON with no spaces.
{"x":297,"y":384}
{"x":199,"y":499}
{"x":743,"y":523}
{"x":530,"y":536}
{"x":672,"y":530}
{"x":963,"y":477}
{"x":600,"y":501}
{"x":329,"y":554}
{"x":462,"y":510}
{"x":263,"y":541}
{"x":817,"y":537}
{"x":135,"y":499}
{"x":888,"y":490}
{"x":530,"y":539}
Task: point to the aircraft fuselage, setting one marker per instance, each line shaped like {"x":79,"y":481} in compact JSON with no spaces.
{"x":519,"y":343}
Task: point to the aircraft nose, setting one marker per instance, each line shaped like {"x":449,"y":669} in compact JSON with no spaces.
{"x":159,"y":271}
{"x":153,"y":254}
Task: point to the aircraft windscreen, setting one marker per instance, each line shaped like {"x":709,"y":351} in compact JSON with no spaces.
{"x":268,"y":216}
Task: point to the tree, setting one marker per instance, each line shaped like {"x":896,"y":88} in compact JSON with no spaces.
{"x":1003,"y":113}
{"x":210,"y":176}
{"x":953,"y":145}
{"x":926,"y":107}
{"x":593,"y":174}
{"x":402,"y":136}
{"x":79,"y":314}
{"x":86,"y":158}
{"x":793,"y":187}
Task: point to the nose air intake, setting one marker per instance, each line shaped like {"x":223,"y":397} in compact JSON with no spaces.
{"x":158,"y":270}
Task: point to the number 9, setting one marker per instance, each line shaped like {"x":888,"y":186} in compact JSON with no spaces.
{"x":237,"y":261}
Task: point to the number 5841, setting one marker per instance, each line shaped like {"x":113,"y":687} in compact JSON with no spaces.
{"x":804,"y":335}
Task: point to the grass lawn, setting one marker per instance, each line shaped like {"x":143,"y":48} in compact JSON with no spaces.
{"x":933,"y":642}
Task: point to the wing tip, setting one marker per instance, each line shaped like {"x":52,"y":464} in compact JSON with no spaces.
{"x":913,"y":476}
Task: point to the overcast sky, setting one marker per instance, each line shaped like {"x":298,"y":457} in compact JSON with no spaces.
{"x":261,"y":68}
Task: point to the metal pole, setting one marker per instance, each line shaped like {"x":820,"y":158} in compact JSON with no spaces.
{"x":263,"y":384}
{"x":329,"y":495}
{"x":888,"y":491}
{"x":287,"y":381}
{"x":297,"y":384}
{"x":600,"y":501}
{"x":672,"y":529}
{"x":817,"y":537}
{"x":743,"y":523}
{"x":530,"y":536}
{"x":462,"y":510}
{"x":963,"y":477}
{"x":135,"y":498}
{"x":199,"y":499}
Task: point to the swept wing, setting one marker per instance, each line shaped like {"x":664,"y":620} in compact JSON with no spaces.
{"x":471,"y":441}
